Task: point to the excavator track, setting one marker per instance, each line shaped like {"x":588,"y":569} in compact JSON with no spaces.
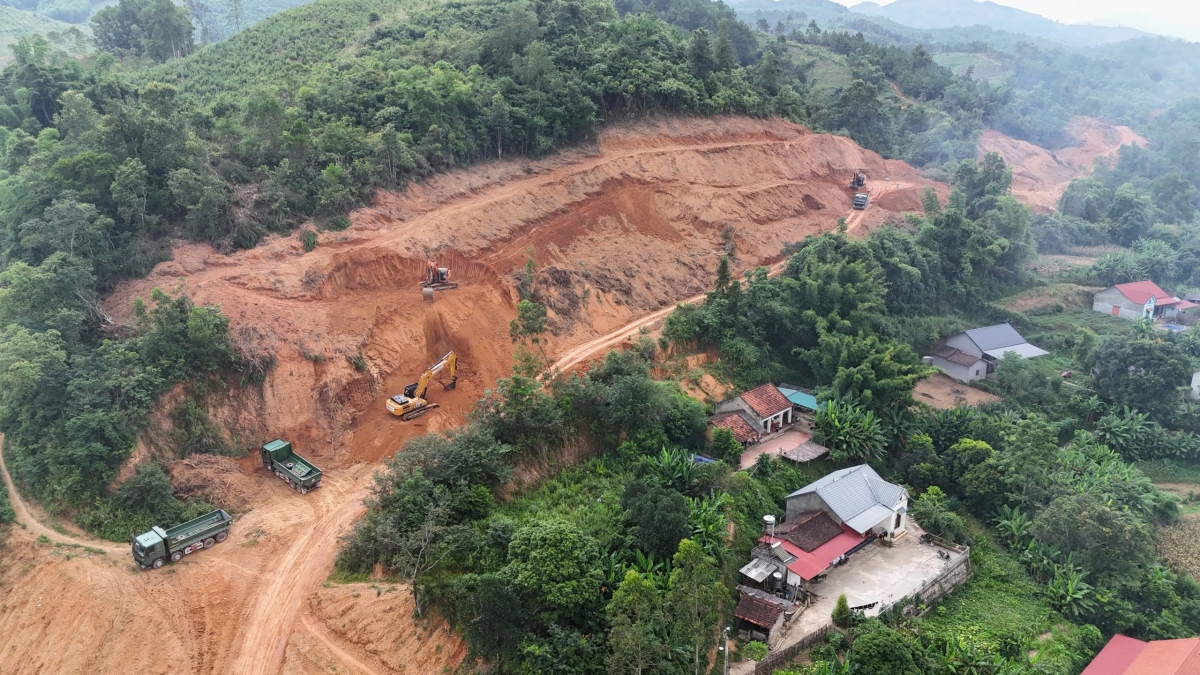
{"x":443,"y":286}
{"x":418,"y":412}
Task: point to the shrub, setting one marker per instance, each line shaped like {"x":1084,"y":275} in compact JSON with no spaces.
{"x":309,"y":238}
{"x":754,"y":650}
{"x":337,"y":223}
{"x":842,"y":616}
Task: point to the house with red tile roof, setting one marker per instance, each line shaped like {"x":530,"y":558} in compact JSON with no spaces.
{"x":1127,"y":656}
{"x":744,"y":428}
{"x":765,"y":406}
{"x":1139,"y":300}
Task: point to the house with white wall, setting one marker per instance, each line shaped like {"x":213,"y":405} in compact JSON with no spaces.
{"x":1139,"y":300}
{"x":972,"y":354}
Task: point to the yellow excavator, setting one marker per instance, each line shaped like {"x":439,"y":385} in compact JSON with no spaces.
{"x":412,"y":404}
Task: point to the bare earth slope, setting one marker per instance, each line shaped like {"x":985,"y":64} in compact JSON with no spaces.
{"x":1040,"y":176}
{"x":638,"y":222}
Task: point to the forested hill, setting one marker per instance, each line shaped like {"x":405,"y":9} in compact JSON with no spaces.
{"x":952,"y":13}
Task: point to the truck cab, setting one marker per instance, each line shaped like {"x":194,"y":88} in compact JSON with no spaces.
{"x":149,"y":548}
{"x":860,"y":200}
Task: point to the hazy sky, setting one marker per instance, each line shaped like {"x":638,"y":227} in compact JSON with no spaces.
{"x":1167,"y":17}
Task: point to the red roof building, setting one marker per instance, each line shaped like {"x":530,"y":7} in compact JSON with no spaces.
{"x":766,"y":400}
{"x":1127,"y":656}
{"x":807,"y":565}
{"x":764,"y":406}
{"x":1137,"y":299}
{"x":743,"y":431}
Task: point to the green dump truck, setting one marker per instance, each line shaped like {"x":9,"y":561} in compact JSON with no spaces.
{"x":153,"y":548}
{"x":301,"y":474}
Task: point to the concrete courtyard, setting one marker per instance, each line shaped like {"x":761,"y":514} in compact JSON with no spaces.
{"x":874,"y":574}
{"x":775,"y":445}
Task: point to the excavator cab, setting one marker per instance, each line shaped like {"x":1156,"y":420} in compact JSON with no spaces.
{"x":412,"y":404}
{"x":437,"y":277}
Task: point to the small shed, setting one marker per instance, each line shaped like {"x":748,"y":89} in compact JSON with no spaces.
{"x":761,"y":615}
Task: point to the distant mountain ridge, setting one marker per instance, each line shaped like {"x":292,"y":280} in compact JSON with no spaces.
{"x":933,"y":14}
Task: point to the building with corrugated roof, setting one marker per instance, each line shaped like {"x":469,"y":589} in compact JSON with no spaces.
{"x":856,"y":497}
{"x":972,"y":354}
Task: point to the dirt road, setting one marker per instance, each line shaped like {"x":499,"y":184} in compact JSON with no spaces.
{"x":38,"y":528}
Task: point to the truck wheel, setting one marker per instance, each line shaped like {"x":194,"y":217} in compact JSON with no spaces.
{"x":210,"y":542}
{"x":222,"y":536}
{"x":176,"y":556}
{"x":158,"y":562}
{"x":303,"y":490}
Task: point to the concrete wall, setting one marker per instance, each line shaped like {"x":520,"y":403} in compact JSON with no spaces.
{"x":806,"y":503}
{"x":959,"y":372}
{"x":1105,"y":300}
{"x":963,"y":343}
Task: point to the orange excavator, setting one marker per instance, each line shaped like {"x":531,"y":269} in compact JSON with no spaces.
{"x":437,"y":278}
{"x":412,"y":404}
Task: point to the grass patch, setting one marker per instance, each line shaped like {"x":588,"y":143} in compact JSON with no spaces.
{"x":1002,"y":610}
{"x":985,"y":66}
{"x":587,"y":496}
{"x":1166,"y":471}
{"x":342,"y":577}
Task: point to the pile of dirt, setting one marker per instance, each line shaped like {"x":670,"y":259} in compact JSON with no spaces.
{"x":620,"y":231}
{"x":374,"y":625}
{"x":216,"y":480}
{"x":1040,"y":176}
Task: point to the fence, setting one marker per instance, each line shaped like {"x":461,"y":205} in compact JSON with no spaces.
{"x":958,"y":571}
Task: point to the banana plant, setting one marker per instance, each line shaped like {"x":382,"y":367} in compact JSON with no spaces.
{"x":1013,"y":526}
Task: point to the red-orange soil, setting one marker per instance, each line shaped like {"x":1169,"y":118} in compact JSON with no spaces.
{"x":618,"y":231}
{"x":1040,"y":176}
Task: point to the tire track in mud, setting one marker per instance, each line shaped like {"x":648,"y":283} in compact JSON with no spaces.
{"x":317,"y":630}
{"x":276,"y":610}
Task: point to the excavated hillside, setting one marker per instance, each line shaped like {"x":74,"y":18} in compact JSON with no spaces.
{"x":1040,"y":176}
{"x":618,"y":231}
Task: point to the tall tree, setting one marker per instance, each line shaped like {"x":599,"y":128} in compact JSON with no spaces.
{"x":636,"y":619}
{"x":692,"y":600}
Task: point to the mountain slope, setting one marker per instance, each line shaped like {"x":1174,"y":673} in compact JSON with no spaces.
{"x":17,"y":23}
{"x":953,"y":13}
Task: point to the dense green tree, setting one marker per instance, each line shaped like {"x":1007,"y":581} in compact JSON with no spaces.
{"x":691,"y":601}
{"x":1139,"y":372}
{"x":636,"y":618}
{"x":557,"y":567}
{"x":657,"y":518}
{"x":154,"y":28}
{"x":882,"y":651}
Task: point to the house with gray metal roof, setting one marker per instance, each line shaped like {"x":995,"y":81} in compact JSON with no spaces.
{"x":856,"y":497}
{"x":972,"y":354}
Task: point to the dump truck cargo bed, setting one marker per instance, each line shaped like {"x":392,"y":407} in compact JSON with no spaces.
{"x":279,"y":458}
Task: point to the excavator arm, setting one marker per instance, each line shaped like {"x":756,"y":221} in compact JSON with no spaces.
{"x":417,"y":389}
